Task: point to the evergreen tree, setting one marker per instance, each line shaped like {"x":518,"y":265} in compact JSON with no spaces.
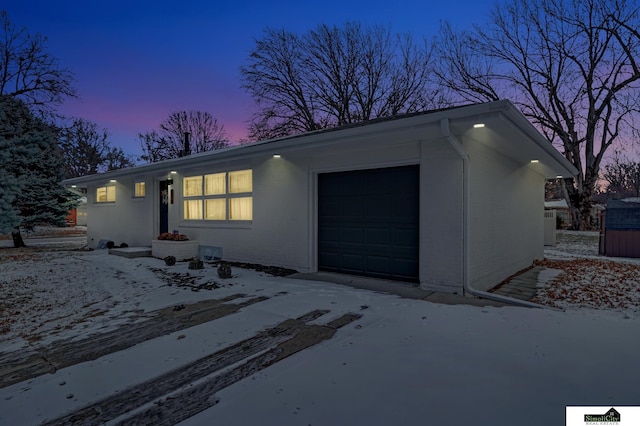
{"x":31,"y":173}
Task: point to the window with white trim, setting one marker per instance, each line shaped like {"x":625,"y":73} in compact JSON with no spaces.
{"x":139,"y":190}
{"x":106,"y":194}
{"x":219,"y":196}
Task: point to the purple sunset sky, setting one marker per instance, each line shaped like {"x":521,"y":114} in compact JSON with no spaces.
{"x":137,"y":61}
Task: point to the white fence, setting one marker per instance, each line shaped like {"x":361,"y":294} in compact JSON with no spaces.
{"x":549,"y":227}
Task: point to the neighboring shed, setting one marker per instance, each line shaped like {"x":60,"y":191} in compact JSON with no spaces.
{"x":622,"y":228}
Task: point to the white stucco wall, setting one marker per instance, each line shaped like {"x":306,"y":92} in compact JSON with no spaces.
{"x":127,"y":220}
{"x":284,"y":201}
{"x":278,"y":233}
{"x":506,"y":205}
{"x":441,"y":207}
{"x":507,"y":221}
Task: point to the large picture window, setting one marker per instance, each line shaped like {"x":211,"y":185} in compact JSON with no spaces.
{"x":106,"y":194}
{"x":219,"y":196}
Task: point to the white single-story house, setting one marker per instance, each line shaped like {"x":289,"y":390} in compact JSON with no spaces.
{"x":450,"y":199}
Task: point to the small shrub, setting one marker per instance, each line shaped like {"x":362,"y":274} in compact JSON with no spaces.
{"x":196,"y":264}
{"x":224,"y":271}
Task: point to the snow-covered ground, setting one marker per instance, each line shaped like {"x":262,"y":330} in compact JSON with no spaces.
{"x":402,"y":362}
{"x":578,"y":278}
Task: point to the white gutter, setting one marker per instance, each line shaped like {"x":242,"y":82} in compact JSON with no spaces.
{"x":466,"y":246}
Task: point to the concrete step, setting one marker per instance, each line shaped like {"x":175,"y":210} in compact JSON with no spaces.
{"x":131,"y":252}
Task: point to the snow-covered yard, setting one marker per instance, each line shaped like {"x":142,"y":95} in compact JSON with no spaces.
{"x":396,"y":361}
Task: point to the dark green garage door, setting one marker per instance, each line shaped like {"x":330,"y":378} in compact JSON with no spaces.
{"x":368,"y":222}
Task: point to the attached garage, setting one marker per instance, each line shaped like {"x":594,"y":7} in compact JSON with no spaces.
{"x":368,"y":222}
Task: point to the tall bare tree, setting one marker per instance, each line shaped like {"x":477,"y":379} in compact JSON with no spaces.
{"x":570,"y":65}
{"x":205,"y":134}
{"x":86,"y":149}
{"x":28,"y":71}
{"x":332,"y":76}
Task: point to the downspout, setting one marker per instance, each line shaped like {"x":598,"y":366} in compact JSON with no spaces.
{"x":466,"y":225}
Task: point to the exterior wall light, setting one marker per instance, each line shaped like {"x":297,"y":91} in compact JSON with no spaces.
{"x":276,"y":155}
{"x":173,"y":172}
{"x":112,"y":181}
{"x":535,"y":161}
{"x":478,"y":125}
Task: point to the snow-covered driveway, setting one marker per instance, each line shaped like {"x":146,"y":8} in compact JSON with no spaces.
{"x":392,"y":361}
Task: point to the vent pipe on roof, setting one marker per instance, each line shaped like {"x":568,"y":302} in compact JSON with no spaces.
{"x":466,"y":245}
{"x":187,"y":144}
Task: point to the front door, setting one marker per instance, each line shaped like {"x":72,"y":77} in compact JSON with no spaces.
{"x":164,"y":206}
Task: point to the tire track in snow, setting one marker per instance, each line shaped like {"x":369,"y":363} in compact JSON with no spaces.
{"x":188,"y":390}
{"x":18,"y":366}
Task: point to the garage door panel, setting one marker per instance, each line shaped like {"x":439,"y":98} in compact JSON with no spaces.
{"x":378,"y":265}
{"x":405,"y":268}
{"x":351,"y":262}
{"x":329,"y":234}
{"x":330,"y":208}
{"x":379,"y":236}
{"x":352,"y":208}
{"x":379,"y":182}
{"x":352,"y":235}
{"x":378,"y":222}
{"x":379,"y":206}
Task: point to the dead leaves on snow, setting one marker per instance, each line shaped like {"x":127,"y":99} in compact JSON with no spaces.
{"x":591,"y":283}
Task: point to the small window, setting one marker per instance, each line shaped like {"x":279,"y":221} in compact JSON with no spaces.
{"x":106,"y":194}
{"x":139,"y":190}
{"x":193,"y":209}
{"x":240,"y":181}
{"x":215,"y":184}
{"x":215,"y":209}
{"x":241,"y":208}
{"x":192,"y":186}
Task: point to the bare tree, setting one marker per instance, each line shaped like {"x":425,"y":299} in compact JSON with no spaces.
{"x":28,"y":71}
{"x":86,"y":149}
{"x":570,"y":65}
{"x":623,"y":178}
{"x":333,"y":76}
{"x":116,"y":159}
{"x":205,"y":134}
